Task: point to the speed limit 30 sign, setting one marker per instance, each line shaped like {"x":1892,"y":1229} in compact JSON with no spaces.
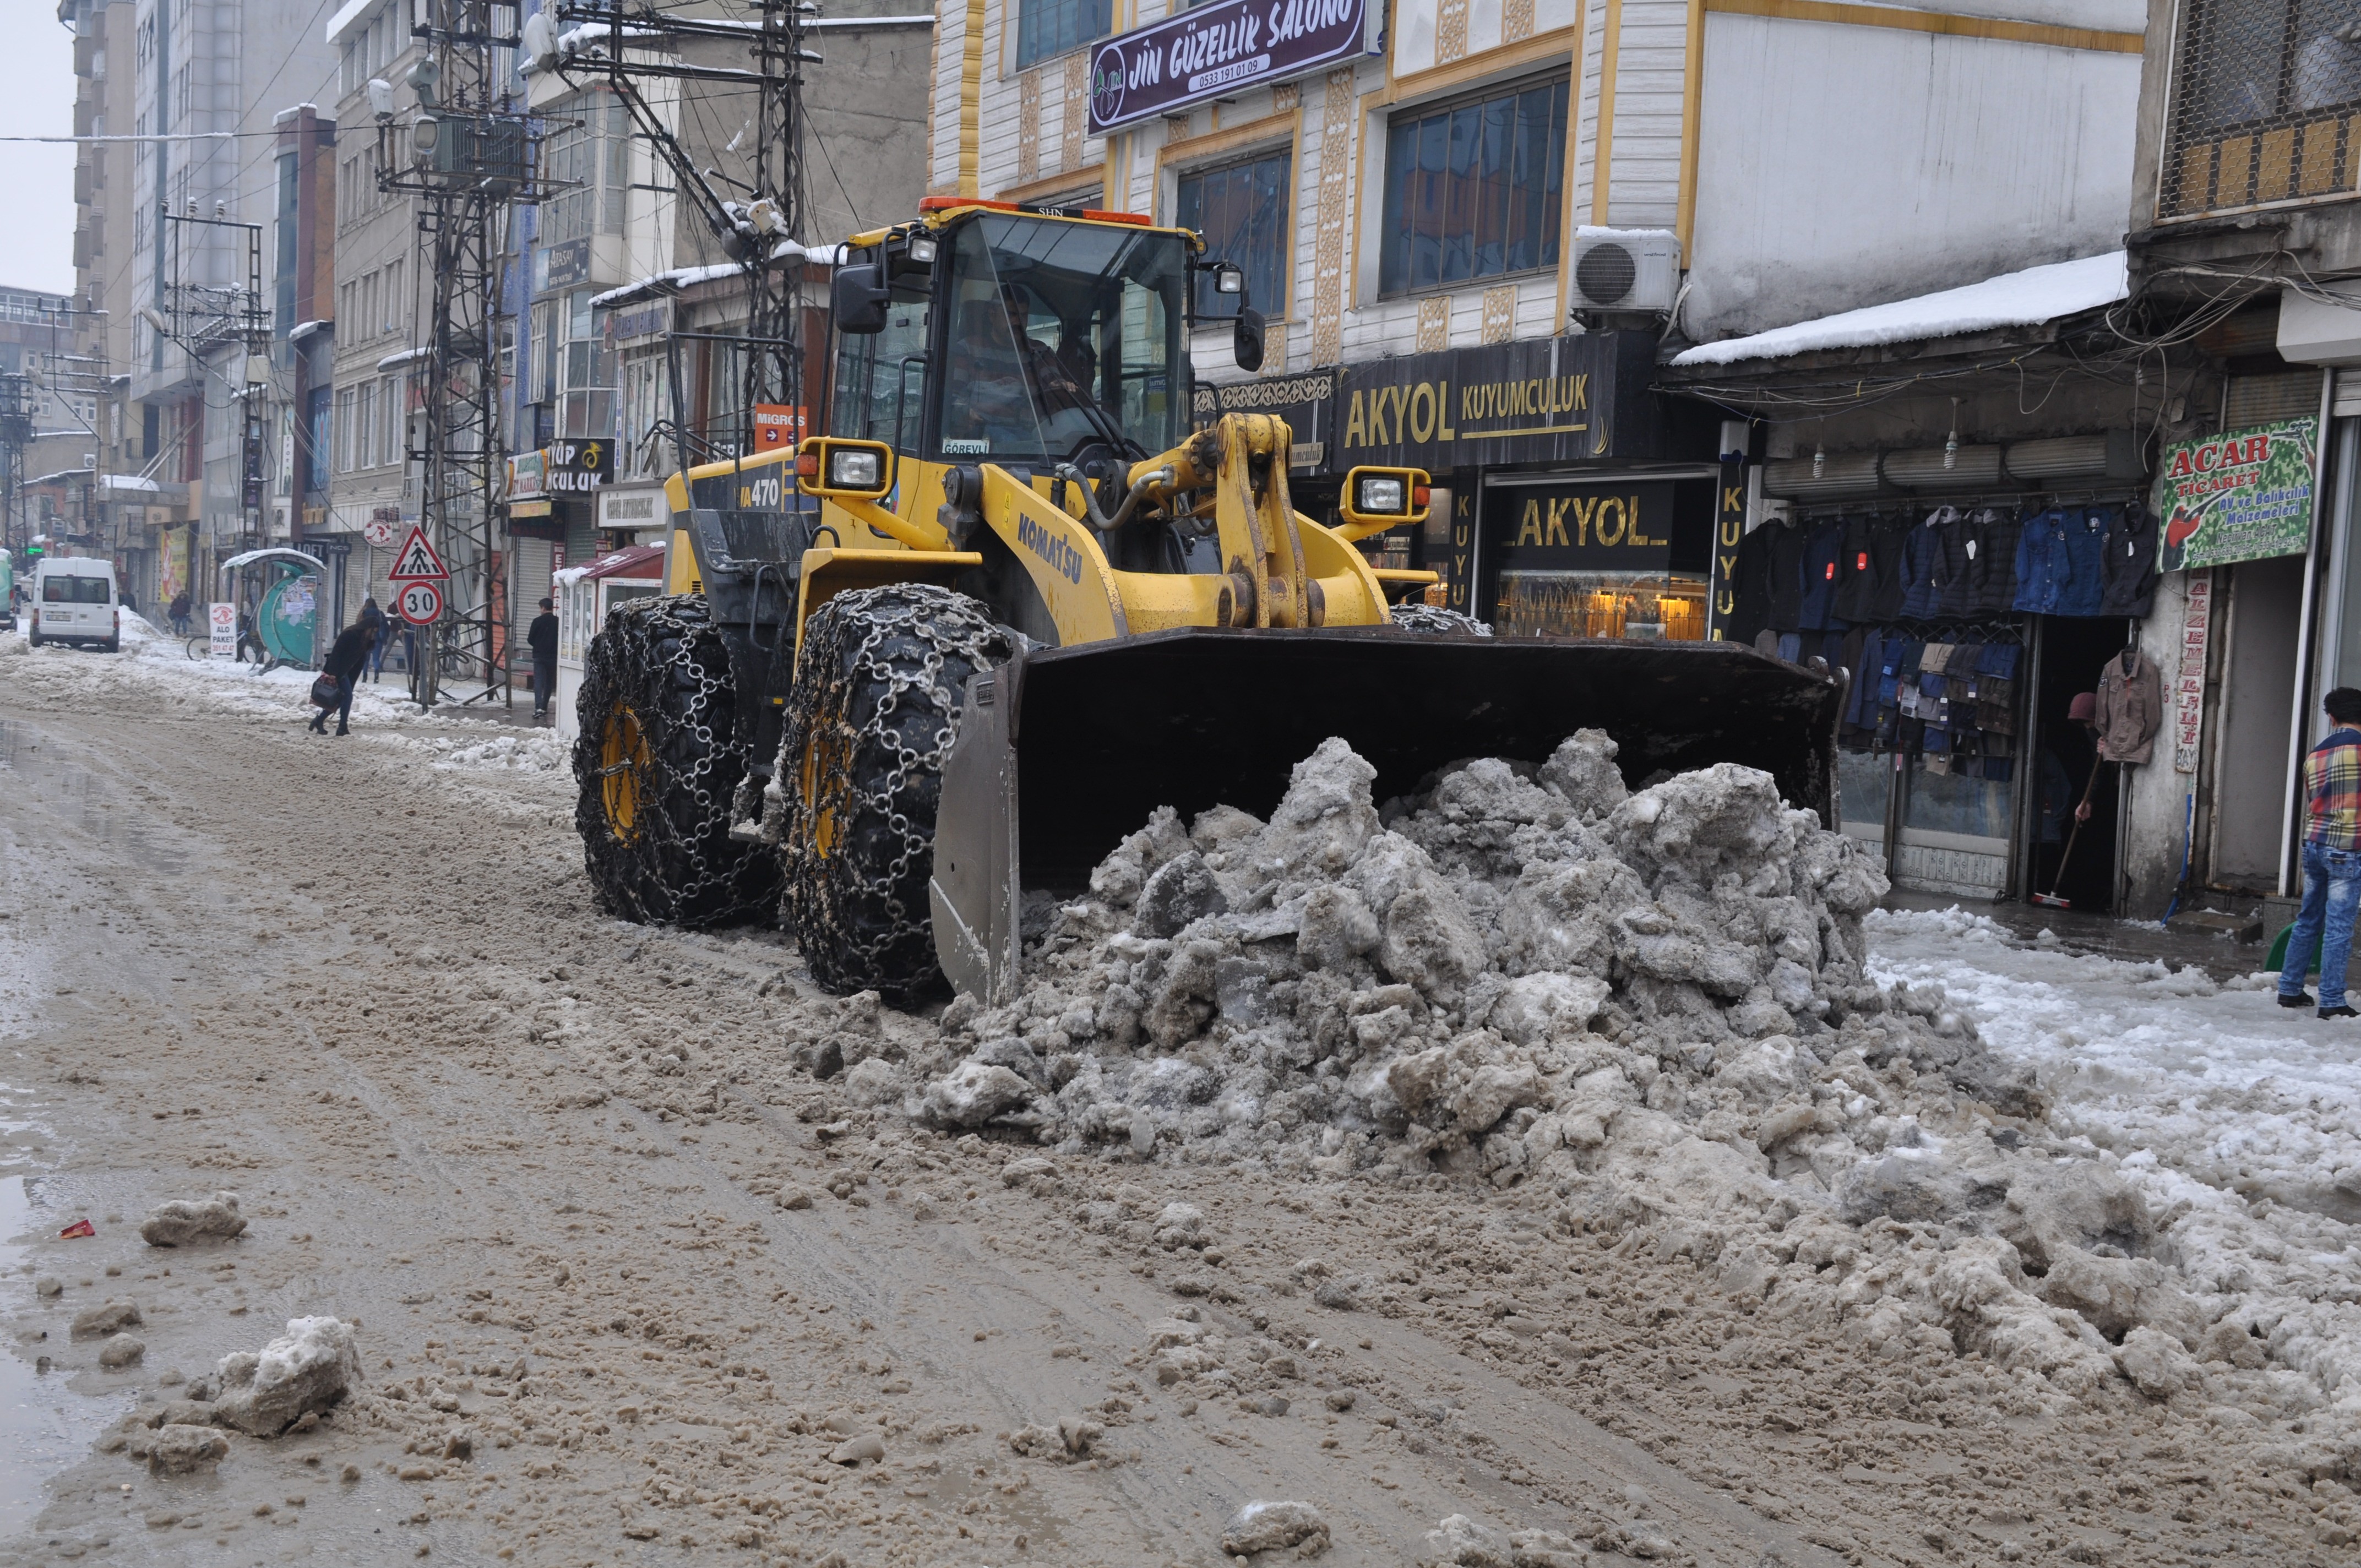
{"x":419,"y":603}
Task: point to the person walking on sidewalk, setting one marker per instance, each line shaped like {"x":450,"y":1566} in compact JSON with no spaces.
{"x":180,"y":613}
{"x":541,"y":636}
{"x":2332,"y":860}
{"x":374,"y":616}
{"x":346,"y":661}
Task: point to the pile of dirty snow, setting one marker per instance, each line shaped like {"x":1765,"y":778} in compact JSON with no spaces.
{"x":1655,"y":1005}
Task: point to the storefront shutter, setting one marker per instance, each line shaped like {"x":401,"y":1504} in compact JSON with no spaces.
{"x":530,"y":583}
{"x":2259,"y":399}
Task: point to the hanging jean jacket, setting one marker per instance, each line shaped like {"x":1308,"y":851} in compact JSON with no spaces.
{"x":2043,"y":563}
{"x":2086,"y":547}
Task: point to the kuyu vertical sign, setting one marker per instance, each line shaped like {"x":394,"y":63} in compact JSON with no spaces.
{"x":1728,"y":533}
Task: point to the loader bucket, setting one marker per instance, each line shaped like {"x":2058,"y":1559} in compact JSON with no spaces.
{"x":1063,"y":751}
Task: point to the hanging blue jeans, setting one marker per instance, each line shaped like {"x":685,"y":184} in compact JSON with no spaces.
{"x":2332,"y":892}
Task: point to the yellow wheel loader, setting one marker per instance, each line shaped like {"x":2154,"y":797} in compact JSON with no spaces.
{"x":952,"y":651}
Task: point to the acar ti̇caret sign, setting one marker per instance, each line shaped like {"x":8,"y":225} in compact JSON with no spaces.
{"x":1216,"y":48}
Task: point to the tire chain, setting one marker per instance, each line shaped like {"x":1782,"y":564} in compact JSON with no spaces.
{"x":856,"y":693}
{"x":1433,"y":620}
{"x":663,"y":657}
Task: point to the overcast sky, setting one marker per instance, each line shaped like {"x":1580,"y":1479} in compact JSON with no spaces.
{"x":37,"y":93}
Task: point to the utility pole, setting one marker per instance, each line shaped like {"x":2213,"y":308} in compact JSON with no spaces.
{"x":16,"y":434}
{"x":463,"y":155}
{"x":755,"y":225}
{"x":205,"y":317}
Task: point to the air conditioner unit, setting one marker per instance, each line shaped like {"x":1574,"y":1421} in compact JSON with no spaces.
{"x":1626,"y":269}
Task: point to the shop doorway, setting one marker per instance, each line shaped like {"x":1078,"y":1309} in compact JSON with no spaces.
{"x":2073,"y":651}
{"x":2250,"y":770}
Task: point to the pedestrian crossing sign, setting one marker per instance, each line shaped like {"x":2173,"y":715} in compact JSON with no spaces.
{"x":416,"y":559}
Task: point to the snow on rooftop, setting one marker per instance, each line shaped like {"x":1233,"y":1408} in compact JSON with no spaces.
{"x":680,"y":278}
{"x":2014,"y":299}
{"x":130,"y":482}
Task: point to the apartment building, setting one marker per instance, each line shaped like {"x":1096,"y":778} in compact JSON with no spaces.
{"x":2245,"y":245}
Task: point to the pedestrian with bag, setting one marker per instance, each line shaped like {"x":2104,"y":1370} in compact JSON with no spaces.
{"x":542,"y":637}
{"x":333,"y":689}
{"x":2332,"y":860}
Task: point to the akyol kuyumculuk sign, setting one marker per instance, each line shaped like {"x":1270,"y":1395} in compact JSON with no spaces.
{"x":2239,"y":496}
{"x":1214,"y":48}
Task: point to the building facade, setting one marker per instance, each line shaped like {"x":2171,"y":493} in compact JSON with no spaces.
{"x":1475,"y":226}
{"x":2246,"y":246}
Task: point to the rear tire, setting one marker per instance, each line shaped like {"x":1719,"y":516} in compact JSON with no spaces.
{"x":657,"y":761}
{"x":879,"y":682}
{"x":1433,"y":620}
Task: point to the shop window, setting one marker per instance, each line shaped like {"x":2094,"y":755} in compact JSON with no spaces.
{"x":1046,"y":27}
{"x":1475,"y":188}
{"x":1597,"y":561}
{"x":1242,"y":212}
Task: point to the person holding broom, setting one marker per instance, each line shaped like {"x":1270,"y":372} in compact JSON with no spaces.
{"x":2332,"y":860}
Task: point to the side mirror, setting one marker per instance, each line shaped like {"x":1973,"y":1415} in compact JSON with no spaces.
{"x":1246,"y":339}
{"x":857,"y":298}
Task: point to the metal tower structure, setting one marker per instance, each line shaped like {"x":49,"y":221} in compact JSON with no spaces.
{"x":463,"y":156}
{"x":623,"y":41}
{"x":207,"y":317}
{"x":15,"y":435}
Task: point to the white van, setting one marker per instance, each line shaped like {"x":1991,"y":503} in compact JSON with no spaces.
{"x":75,"y":601}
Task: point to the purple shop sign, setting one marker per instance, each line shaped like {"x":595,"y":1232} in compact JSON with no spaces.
{"x":1219,"y":47}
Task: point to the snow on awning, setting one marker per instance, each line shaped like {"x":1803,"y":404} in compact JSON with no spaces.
{"x":2028,"y":298}
{"x":129,"y":482}
{"x":662,"y":285}
{"x":632,"y":561}
{"x":395,"y":361}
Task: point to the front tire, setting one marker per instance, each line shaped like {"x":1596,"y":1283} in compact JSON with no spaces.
{"x":658,"y":762}
{"x":879,"y":682}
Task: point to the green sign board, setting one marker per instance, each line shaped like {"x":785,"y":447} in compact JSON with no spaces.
{"x":2239,"y":496}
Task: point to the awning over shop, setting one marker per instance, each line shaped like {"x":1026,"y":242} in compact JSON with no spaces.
{"x":636,"y":560}
{"x":2035,"y":295}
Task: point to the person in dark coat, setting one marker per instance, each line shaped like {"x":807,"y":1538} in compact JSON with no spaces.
{"x":346,"y":661}
{"x":374,"y":616}
{"x":180,"y":613}
{"x":541,"y":636}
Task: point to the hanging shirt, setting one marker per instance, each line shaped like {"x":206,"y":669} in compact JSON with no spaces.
{"x":1922,"y":566}
{"x":1992,"y":573}
{"x":1823,"y":551}
{"x":1751,"y":609}
{"x":1869,"y":581}
{"x":2332,"y":787}
{"x":1786,"y":576}
{"x":2127,"y":569}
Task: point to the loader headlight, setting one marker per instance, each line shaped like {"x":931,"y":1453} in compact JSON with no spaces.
{"x":1382,"y":493}
{"x":922,"y":249}
{"x":853,"y":468}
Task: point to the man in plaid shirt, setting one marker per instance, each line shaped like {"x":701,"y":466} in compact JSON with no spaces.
{"x":2332,"y":860}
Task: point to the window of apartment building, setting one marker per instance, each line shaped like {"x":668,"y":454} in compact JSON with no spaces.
{"x":343,"y":435}
{"x":591,"y":154}
{"x":1473,"y":189}
{"x":1046,"y":27}
{"x":586,"y":401}
{"x":391,"y":410}
{"x":365,"y":425}
{"x":1243,"y":212}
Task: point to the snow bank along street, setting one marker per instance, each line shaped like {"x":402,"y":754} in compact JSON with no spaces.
{"x":1537,"y":1172}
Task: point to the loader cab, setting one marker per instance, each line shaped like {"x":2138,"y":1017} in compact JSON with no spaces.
{"x":1024,"y":339}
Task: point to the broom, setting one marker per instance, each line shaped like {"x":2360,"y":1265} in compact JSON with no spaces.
{"x":2051,"y":898}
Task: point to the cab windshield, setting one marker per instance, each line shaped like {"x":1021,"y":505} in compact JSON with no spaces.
{"x":1062,"y":335}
